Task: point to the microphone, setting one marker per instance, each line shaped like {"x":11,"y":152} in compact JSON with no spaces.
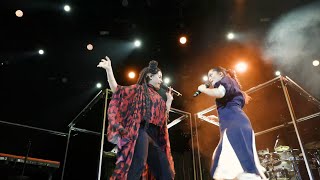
{"x":199,"y":92}
{"x":173,"y":91}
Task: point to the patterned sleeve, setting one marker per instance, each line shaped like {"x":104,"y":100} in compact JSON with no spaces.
{"x":118,"y":111}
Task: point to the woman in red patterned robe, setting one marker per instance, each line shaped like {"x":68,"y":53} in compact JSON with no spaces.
{"x":137,"y":117}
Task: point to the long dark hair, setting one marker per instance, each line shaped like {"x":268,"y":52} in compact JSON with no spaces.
{"x":144,"y":80}
{"x":227,"y":72}
{"x":231,"y":73}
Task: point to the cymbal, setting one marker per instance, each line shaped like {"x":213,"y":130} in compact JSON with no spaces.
{"x":282,"y":148}
{"x":313,"y":145}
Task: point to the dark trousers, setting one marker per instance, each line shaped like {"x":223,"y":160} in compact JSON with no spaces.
{"x":148,"y":151}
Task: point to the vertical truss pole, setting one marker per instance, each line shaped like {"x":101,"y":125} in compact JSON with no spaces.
{"x":293,"y":117}
{"x":103,"y":132}
{"x":197,"y":136}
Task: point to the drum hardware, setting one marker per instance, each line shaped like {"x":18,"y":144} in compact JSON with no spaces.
{"x":282,"y":164}
{"x":315,"y":160}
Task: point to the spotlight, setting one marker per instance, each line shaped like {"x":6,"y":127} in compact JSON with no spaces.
{"x":99,"y":85}
{"x":67,"y":8}
{"x":183,"y":40}
{"x":230,"y":36}
{"x":205,"y":78}
{"x":315,"y":63}
{"x":41,"y":52}
{"x":89,"y":47}
{"x":241,"y":67}
{"x":277,"y":73}
{"x":19,"y":13}
{"x":166,"y":80}
{"x":132,"y":75}
{"x":137,"y":43}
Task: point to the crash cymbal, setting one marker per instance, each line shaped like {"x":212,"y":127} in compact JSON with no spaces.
{"x":313,"y":145}
{"x":282,"y":148}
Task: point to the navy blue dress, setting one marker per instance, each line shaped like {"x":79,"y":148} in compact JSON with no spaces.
{"x":235,"y":123}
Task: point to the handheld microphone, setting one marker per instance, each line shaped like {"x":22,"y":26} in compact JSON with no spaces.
{"x":199,"y":92}
{"x":173,"y":91}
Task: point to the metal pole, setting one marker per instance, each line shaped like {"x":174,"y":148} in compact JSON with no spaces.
{"x":66,"y":153}
{"x":192,"y":148}
{"x":88,"y":107}
{"x":102,"y":133}
{"x":293,"y":117}
{"x":308,"y":95}
{"x":35,"y":128}
{"x":199,"y":159}
{"x":289,"y":123}
{"x":85,"y":131}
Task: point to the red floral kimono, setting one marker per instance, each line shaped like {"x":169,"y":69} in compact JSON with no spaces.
{"x":125,"y":113}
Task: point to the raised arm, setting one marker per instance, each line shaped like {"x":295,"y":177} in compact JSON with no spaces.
{"x":106,"y":64}
{"x":214,"y":92}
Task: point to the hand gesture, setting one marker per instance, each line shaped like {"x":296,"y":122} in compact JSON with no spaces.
{"x":169,"y":94}
{"x":105,"y":64}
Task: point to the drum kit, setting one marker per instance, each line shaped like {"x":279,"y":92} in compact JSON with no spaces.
{"x":314,"y":154}
{"x":282,"y":164}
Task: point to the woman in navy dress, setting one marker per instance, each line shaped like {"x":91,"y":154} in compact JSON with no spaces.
{"x":235,"y":157}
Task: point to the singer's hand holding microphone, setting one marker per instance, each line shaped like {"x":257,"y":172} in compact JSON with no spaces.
{"x":201,"y":88}
{"x":172,"y":91}
{"x":169,"y":94}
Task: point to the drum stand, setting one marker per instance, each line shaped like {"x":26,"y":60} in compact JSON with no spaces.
{"x":273,"y":172}
{"x":317,"y":156}
{"x":296,"y":168}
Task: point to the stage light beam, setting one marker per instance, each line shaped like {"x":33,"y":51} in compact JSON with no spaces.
{"x":67,"y":8}
{"x":99,"y":85}
{"x":183,"y":40}
{"x":19,"y":13}
{"x":315,"y":63}
{"x":41,"y":51}
{"x":205,"y":78}
{"x":166,"y":80}
{"x":241,"y":67}
{"x":131,"y":75}
{"x":230,"y":36}
{"x":89,"y":47}
{"x":137,"y":43}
